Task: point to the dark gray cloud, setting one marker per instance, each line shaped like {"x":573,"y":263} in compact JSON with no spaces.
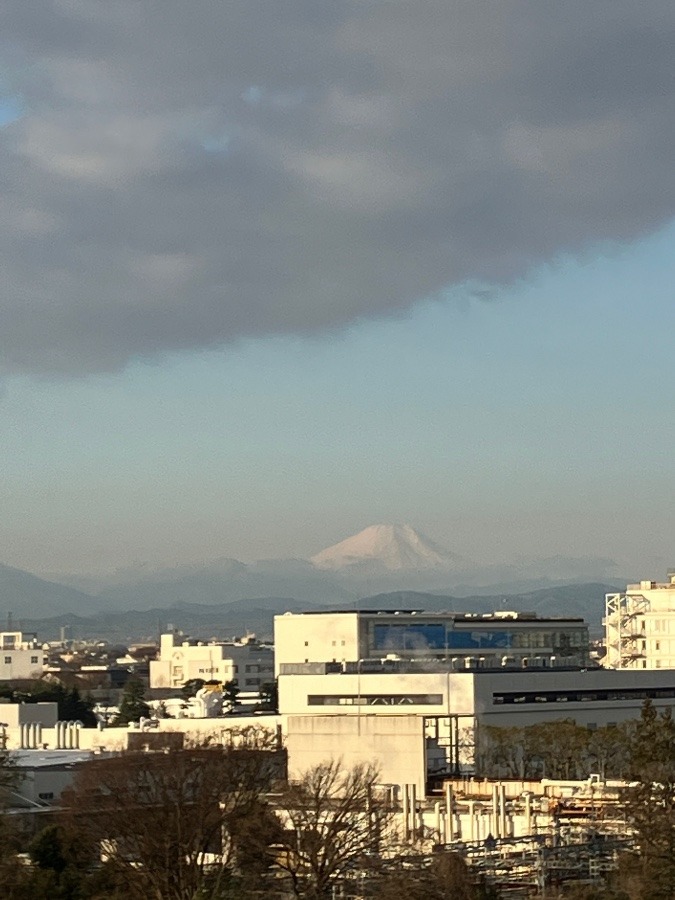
{"x":186,"y":174}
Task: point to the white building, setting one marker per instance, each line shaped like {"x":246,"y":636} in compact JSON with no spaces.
{"x":20,"y":656}
{"x":467,"y":640}
{"x":248,"y":663}
{"x":417,"y":722}
{"x":640,"y":626}
{"x":414,"y":691}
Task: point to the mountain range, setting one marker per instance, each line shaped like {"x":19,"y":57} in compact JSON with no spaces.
{"x":389,"y":560}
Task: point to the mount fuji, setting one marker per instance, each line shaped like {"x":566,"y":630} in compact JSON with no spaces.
{"x":389,"y":548}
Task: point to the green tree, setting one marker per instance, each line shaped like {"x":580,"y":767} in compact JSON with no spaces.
{"x":71,"y":705}
{"x":650,"y":801}
{"x":269,"y":696}
{"x":231,"y":694}
{"x":132,"y":706}
{"x":191,"y":687}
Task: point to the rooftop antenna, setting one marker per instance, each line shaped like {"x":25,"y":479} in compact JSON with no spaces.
{"x":10,"y":621}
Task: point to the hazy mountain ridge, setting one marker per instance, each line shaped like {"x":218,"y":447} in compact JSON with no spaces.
{"x":381,"y":559}
{"x":257,"y":614}
{"x":23,"y":593}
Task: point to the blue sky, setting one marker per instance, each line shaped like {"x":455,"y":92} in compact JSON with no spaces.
{"x":532,"y":423}
{"x":276,"y":272}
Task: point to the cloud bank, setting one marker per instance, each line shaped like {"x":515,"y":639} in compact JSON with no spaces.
{"x":185,"y":174}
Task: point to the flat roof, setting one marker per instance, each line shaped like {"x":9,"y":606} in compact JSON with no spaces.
{"x":497,"y":616}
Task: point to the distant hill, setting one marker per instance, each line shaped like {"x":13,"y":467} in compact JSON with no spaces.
{"x":586,"y":601}
{"x":220,"y":621}
{"x":26,"y":595}
{"x":216,"y":583}
{"x":257,"y":614}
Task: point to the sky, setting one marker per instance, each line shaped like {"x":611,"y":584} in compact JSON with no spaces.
{"x":276,"y":271}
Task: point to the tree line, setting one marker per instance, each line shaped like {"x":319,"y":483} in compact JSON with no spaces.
{"x":559,"y":749}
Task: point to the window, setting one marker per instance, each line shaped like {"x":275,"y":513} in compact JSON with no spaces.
{"x":306,"y":643}
{"x":374,"y":700}
{"x":587,"y":696}
{"x":8,"y":660}
{"x":34,"y":660}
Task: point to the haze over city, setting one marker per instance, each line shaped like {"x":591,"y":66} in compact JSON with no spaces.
{"x":274,"y":273}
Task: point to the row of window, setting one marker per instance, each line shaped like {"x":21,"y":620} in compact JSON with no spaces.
{"x":589,"y":696}
{"x":34,"y":660}
{"x":374,"y":699}
{"x":425,"y":636}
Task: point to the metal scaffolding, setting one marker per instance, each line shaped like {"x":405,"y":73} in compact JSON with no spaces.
{"x":624,"y":629}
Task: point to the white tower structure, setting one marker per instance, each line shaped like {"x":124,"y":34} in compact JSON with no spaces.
{"x":640,"y":626}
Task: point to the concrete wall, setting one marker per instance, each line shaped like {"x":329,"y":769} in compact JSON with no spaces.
{"x":496,"y":698}
{"x":584,"y":712}
{"x":393,"y":743}
{"x":20,"y":663}
{"x":16,"y":714}
{"x":305,"y":637}
{"x":354,"y":693}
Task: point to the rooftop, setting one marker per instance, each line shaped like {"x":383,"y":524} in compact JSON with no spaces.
{"x":497,"y":616}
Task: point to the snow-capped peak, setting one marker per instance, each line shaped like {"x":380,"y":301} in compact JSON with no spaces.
{"x":393,"y":547}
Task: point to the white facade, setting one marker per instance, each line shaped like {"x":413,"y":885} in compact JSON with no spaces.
{"x":248,"y":663}
{"x":467,"y":640}
{"x":640,"y":626}
{"x":303,"y":638}
{"x":428,"y":722}
{"x":20,"y":656}
{"x":591,"y":697}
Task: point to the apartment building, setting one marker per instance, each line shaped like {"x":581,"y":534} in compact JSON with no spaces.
{"x":247,"y":662}
{"x":640,"y":626}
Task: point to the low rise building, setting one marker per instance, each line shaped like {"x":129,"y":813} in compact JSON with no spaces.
{"x":247,"y":662}
{"x":21,"y":656}
{"x":466,"y":640}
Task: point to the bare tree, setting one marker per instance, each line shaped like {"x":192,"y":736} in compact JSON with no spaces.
{"x":333,"y":819}
{"x":557,"y":749}
{"x":169,"y":822}
{"x":441,"y":876}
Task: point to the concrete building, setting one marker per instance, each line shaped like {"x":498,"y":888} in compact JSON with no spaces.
{"x":247,"y":662}
{"x":640,"y":626}
{"x":43,"y":775}
{"x":416,"y":691}
{"x":466,"y":639}
{"x":20,"y":656}
{"x":422,"y":723}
